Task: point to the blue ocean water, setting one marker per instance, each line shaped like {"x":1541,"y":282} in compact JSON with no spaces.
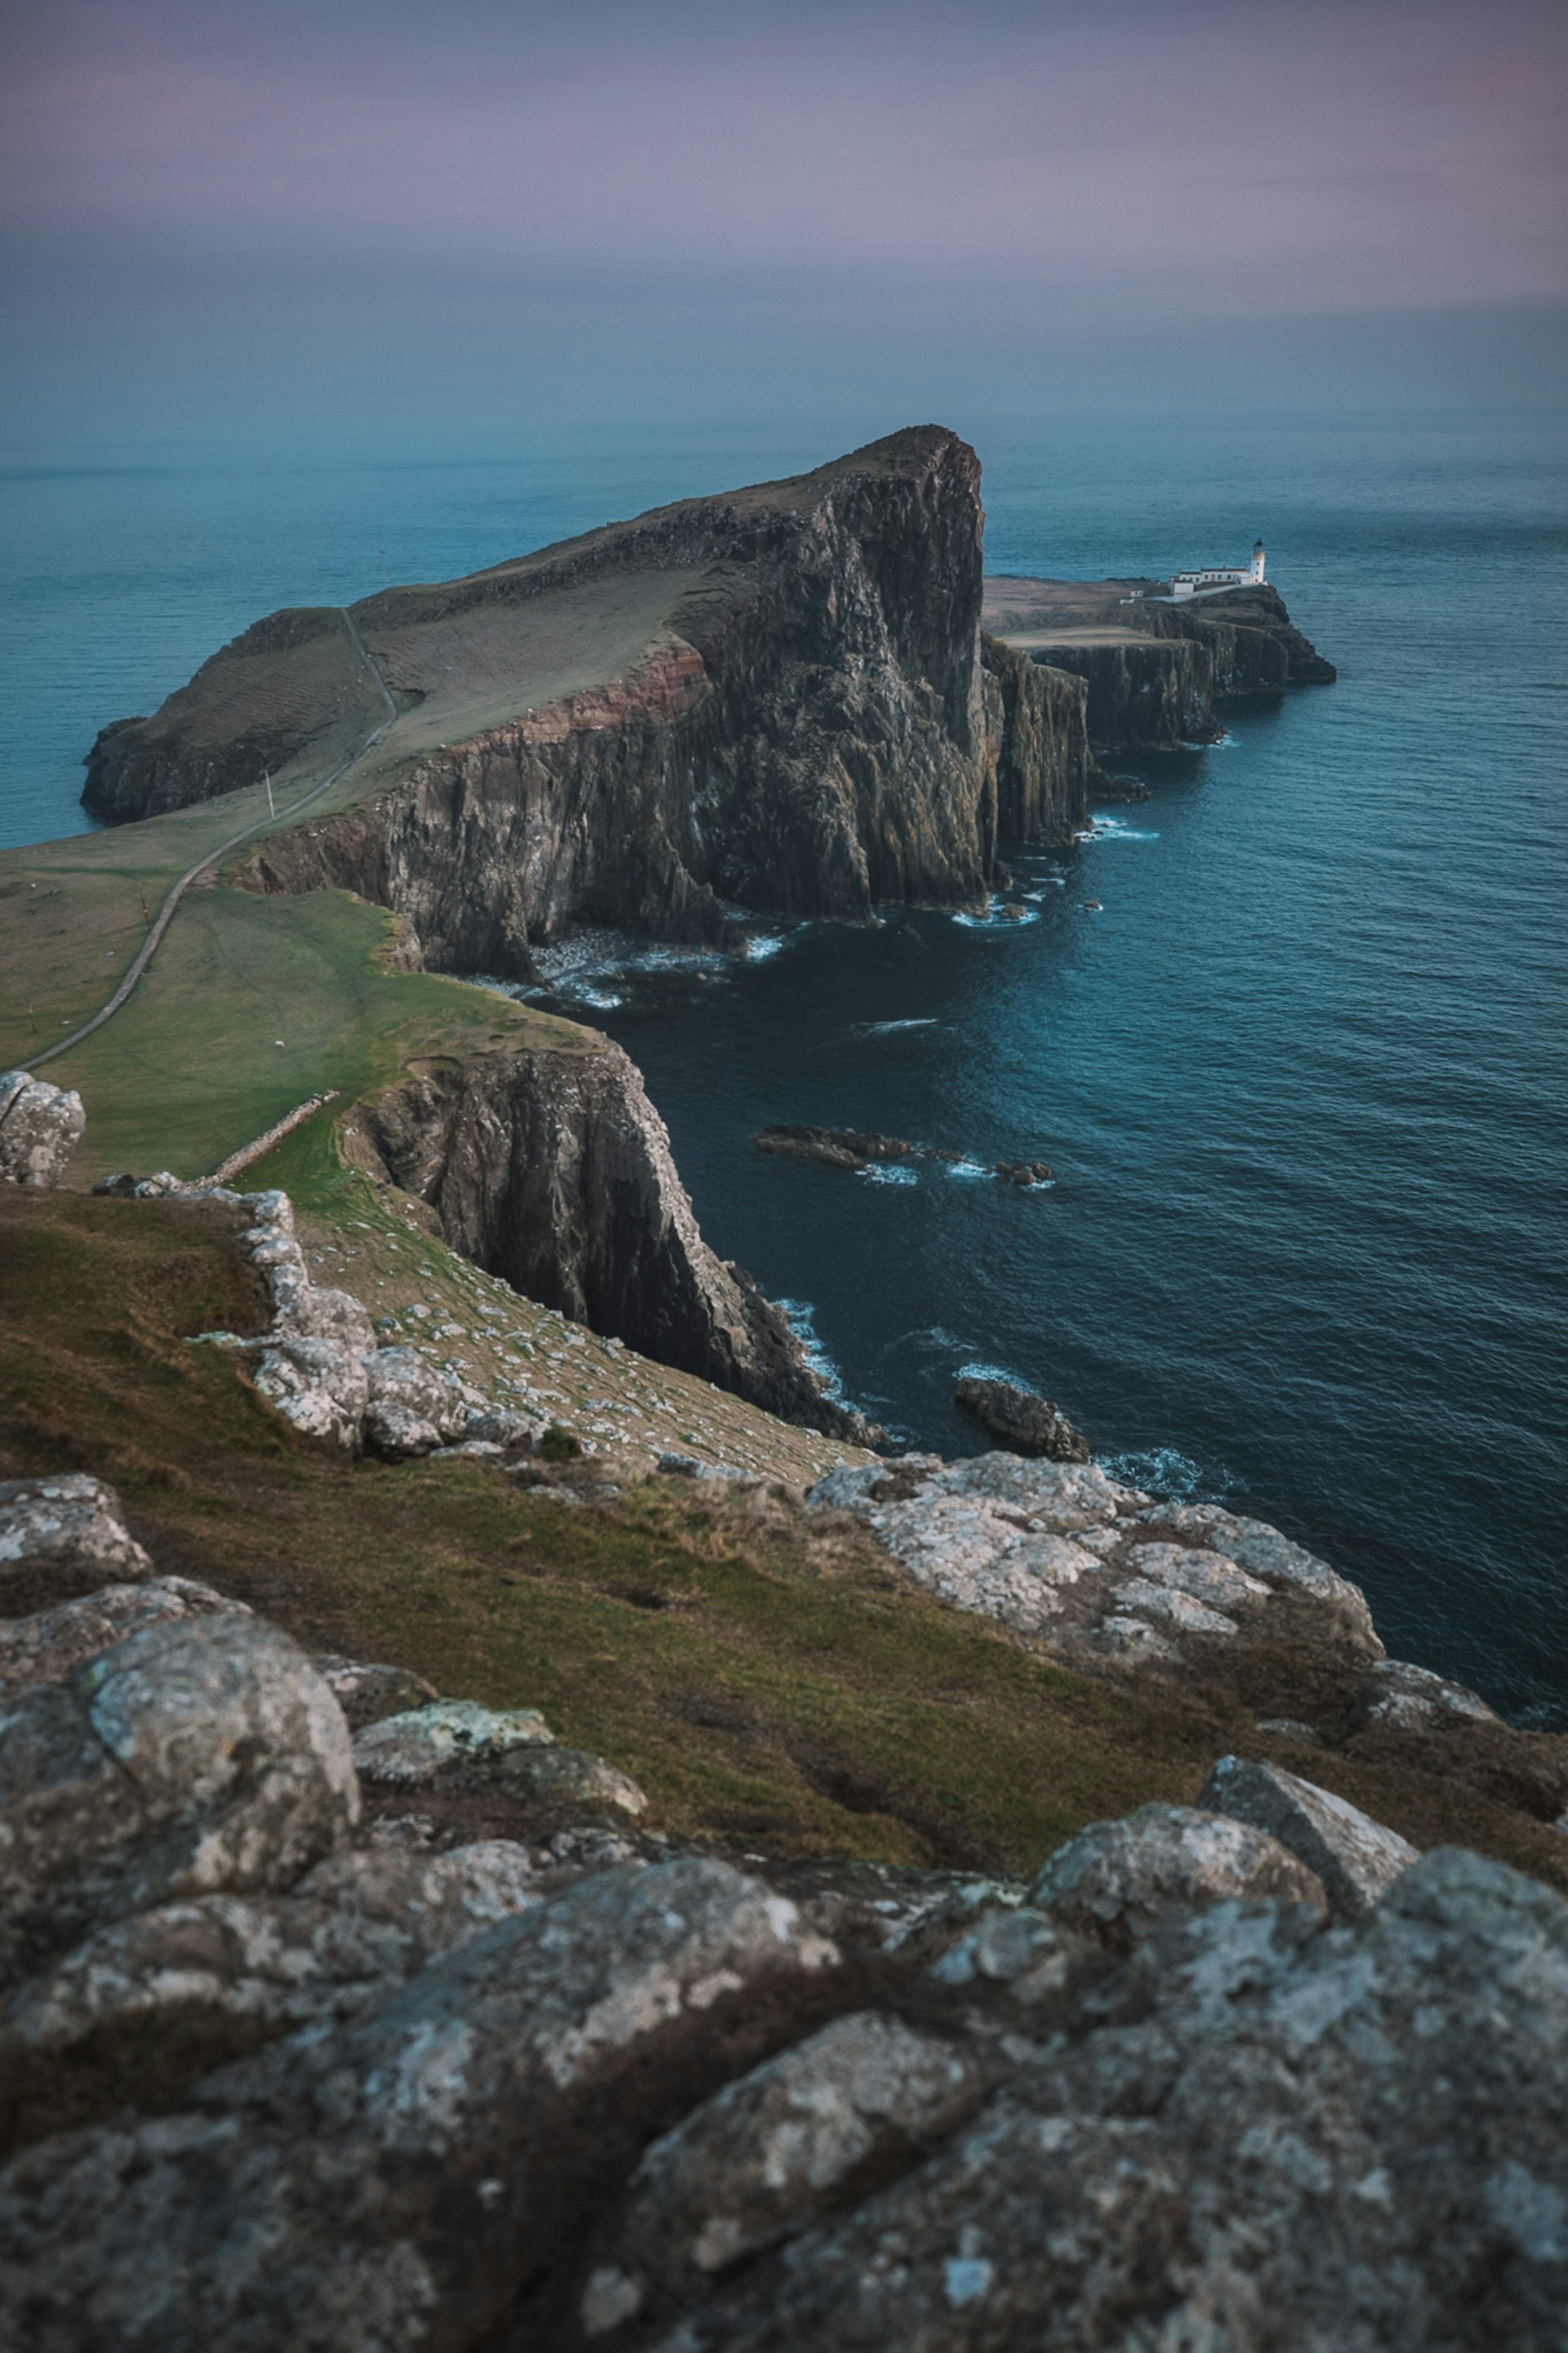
{"x":1301,"y":1075}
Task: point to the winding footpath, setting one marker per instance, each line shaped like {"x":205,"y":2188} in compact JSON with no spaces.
{"x":165,"y":915}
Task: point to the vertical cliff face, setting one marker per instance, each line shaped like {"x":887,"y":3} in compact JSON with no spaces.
{"x":1143,"y":693}
{"x":551,"y":1168}
{"x":788,"y":712}
{"x":1040,"y":727}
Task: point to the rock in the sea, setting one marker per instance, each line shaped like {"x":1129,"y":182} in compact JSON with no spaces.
{"x":197,"y":1755}
{"x":1021,"y":1422}
{"x":1116,"y":1879}
{"x":414,"y":1747}
{"x":1356,"y":1859}
{"x":770,"y":2152}
{"x":366,"y":1690}
{"x":391,"y":2182}
{"x":40,"y":1127}
{"x":48,"y":1647}
{"x":1279,"y":2138}
{"x":62,"y":1538}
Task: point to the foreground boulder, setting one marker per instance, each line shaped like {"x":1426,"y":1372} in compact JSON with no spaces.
{"x":40,"y":1127}
{"x":61,"y":1537}
{"x":195,"y":1755}
{"x":1115,"y":1880}
{"x":1276,"y":2137}
{"x":48,"y":1647}
{"x":1356,"y":1859}
{"x":395,"y":2190}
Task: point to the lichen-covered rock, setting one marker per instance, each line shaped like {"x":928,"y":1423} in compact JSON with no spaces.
{"x":550,"y":1788}
{"x":1253,"y":1545}
{"x":46,"y":1648}
{"x":318,"y":1385}
{"x":40,"y":1127}
{"x":1357,"y":1860}
{"x":367,"y":1690}
{"x":197,"y":1755}
{"x":389,"y":2183}
{"x":413,"y":1748}
{"x":411,"y":1407}
{"x":1278,"y":2138}
{"x":1412,"y":1698}
{"x":59,"y":1538}
{"x":1116,"y":1879}
{"x":894,"y":1908}
{"x":351,"y":1930}
{"x":768,"y":2153}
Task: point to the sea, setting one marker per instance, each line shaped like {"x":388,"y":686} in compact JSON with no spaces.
{"x":1290,"y":1031}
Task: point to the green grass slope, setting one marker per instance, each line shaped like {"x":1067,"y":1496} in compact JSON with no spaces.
{"x":770,"y":1683}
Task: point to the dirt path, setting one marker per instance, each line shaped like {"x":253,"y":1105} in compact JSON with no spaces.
{"x":165,"y":915}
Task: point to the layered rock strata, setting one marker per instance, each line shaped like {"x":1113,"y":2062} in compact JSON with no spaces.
{"x":812,"y":724}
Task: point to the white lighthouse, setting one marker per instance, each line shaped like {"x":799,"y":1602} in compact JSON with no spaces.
{"x":1219,"y":575}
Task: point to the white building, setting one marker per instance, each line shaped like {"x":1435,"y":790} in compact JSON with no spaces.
{"x":1187,"y":584}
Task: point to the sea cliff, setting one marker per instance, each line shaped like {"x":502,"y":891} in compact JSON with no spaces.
{"x":795,"y":714}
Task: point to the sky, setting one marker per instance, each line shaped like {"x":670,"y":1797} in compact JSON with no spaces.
{"x":268,"y":216}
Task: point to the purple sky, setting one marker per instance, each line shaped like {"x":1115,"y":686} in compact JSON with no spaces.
{"x":822,"y":173}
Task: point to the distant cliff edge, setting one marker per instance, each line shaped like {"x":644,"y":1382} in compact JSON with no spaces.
{"x":780,"y":700}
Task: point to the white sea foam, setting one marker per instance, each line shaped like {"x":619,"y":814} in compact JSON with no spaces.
{"x":1166,"y":1471}
{"x":878,"y":1172}
{"x":996,"y":919}
{"x":801,"y":1317}
{"x":966,"y":1168}
{"x":1116,"y":829}
{"x":886,"y":1029}
{"x":980,"y":1370}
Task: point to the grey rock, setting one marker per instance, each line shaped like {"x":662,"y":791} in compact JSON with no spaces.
{"x":1412,"y":1698}
{"x":1023,"y":1950}
{"x":366,"y":1690}
{"x":1357,"y":1859}
{"x":61,"y":1537}
{"x":894,"y":1908}
{"x":319,"y":1386}
{"x":40,"y":1127}
{"x":774,"y":2150}
{"x":1116,"y":1879}
{"x":389,"y":2182}
{"x":353,"y":1927}
{"x":1328,"y":2140}
{"x":412,"y":1749}
{"x":499,"y":1426}
{"x":552,"y":1788}
{"x":1021,"y":1422}
{"x":1253,"y":1545}
{"x":197,"y":1755}
{"x":411,"y":1407}
{"x":48,"y":1647}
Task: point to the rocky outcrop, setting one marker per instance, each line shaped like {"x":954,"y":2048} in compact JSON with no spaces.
{"x":575,"y":2087}
{"x":1023,"y":1422}
{"x":1155,"y":673}
{"x":1096,"y":1569}
{"x":551,"y":1168}
{"x":808,"y":729}
{"x":60,"y":1538}
{"x":40,"y":1127}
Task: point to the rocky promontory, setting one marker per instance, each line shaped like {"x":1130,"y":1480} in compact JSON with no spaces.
{"x":779,"y":699}
{"x":1156,"y":670}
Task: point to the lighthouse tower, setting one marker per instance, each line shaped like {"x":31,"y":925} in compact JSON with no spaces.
{"x":1256,"y":574}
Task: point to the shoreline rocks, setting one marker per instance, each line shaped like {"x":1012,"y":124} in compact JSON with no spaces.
{"x":853,"y":1149}
{"x":1022,"y":1421}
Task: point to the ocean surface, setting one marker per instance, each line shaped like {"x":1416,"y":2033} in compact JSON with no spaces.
{"x":1301,"y":1075}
